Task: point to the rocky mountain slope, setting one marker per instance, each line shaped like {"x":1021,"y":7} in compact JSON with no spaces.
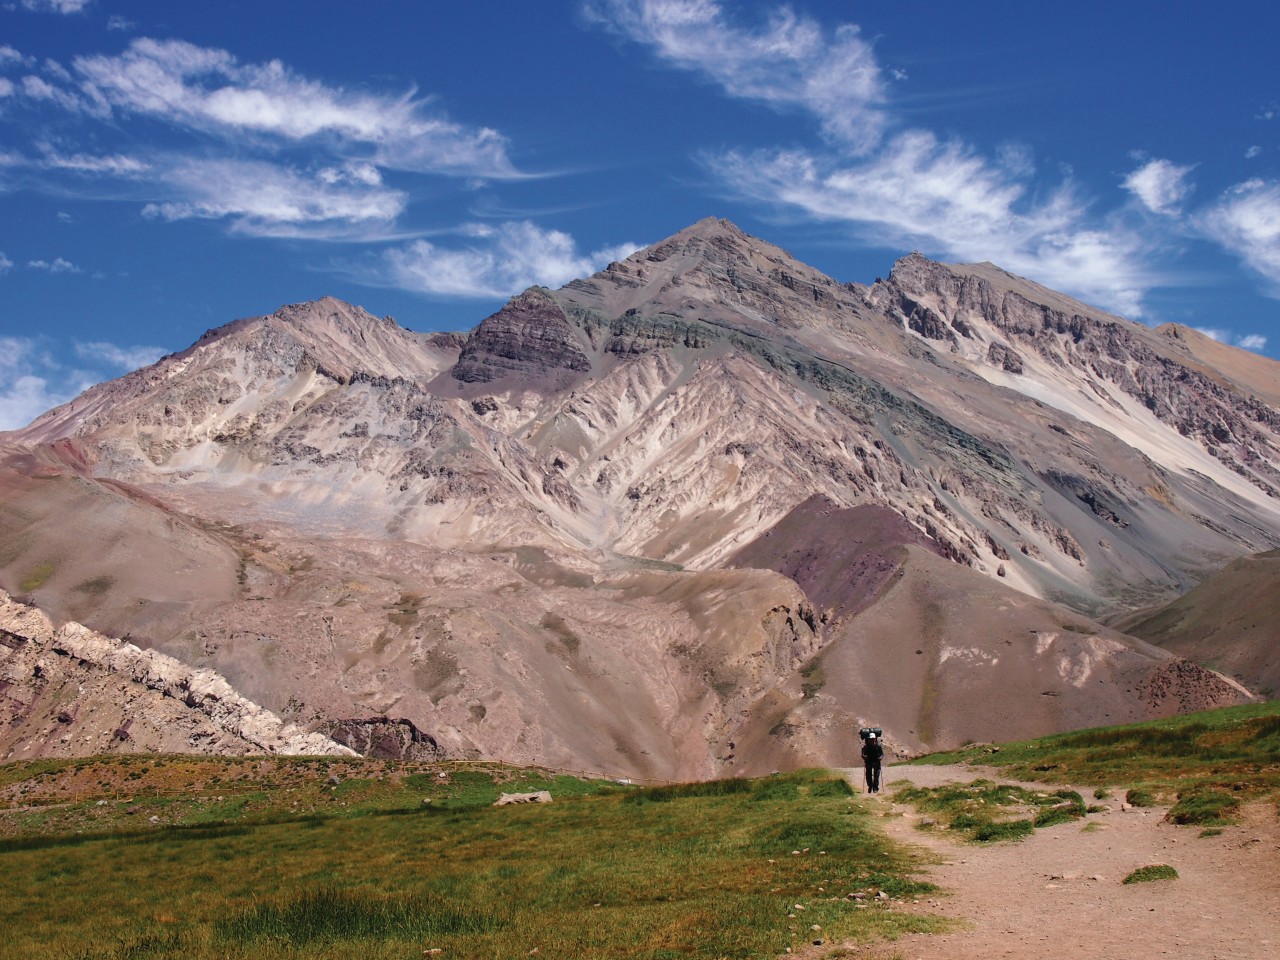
{"x":701,"y":512}
{"x":1227,"y":622}
{"x":72,"y":692}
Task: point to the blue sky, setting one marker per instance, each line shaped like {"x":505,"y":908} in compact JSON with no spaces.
{"x":168,"y":167}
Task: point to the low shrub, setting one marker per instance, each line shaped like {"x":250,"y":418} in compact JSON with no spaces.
{"x":1156,"y":871}
{"x":835,"y":787}
{"x":1204,"y":806}
{"x":1006,"y":830}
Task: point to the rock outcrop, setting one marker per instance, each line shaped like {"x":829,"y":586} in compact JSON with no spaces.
{"x":70,"y":691}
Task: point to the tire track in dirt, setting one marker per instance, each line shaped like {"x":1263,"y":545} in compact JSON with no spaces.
{"x":1058,"y":893}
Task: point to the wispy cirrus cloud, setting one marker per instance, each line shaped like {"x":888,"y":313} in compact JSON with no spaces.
{"x":103,"y":355}
{"x":1246,"y":221}
{"x":33,"y":380}
{"x":55,"y":266}
{"x":920,"y":191}
{"x":209,"y":90}
{"x":908,"y":187}
{"x":789,"y":62}
{"x":116,"y":165}
{"x":270,"y":153}
{"x":269,"y":199}
{"x":494,"y":262}
{"x":1160,"y":185}
{"x":56,"y":6}
{"x":255,"y":145}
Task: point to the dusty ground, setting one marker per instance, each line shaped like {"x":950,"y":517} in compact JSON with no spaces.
{"x":1059,"y":892}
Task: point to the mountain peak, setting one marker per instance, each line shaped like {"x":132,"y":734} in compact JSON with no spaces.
{"x":329,"y":311}
{"x":718,"y":272}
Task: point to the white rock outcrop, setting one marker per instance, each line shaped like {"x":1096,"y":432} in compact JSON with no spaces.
{"x":51,"y":686}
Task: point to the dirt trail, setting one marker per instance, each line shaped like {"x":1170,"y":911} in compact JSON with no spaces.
{"x":1058,"y":894}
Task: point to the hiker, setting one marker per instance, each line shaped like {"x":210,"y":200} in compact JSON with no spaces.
{"x":872,"y":754}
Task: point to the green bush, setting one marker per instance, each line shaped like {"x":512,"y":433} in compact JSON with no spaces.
{"x":1139,"y":798}
{"x":835,"y":787}
{"x":1204,"y":805}
{"x":1156,"y":871}
{"x":1006,"y":830}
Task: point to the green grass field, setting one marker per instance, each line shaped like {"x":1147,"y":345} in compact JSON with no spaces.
{"x":1205,"y":765}
{"x":129,"y":858}
{"x":294,"y":865}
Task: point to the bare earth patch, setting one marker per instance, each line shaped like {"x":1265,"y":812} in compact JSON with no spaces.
{"x":1059,"y":893}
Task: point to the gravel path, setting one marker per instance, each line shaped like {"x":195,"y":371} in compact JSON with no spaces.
{"x":1058,"y":894}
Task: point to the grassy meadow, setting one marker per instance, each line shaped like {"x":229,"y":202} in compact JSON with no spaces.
{"x":1203,"y":765}
{"x":141,"y":857}
{"x":148,"y":857}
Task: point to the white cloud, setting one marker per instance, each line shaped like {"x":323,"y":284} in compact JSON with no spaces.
{"x":56,"y":6}
{"x":1254,"y":341}
{"x":123,"y":359}
{"x":58,"y":265}
{"x":6,"y":87}
{"x":500,"y":261}
{"x":9,"y":55}
{"x":5,"y":263}
{"x":56,"y":70}
{"x":115,"y":165}
{"x":789,"y":62}
{"x":37,"y":88}
{"x":1246,"y":220}
{"x":117,"y":22}
{"x":907,"y":189}
{"x":31,"y":382}
{"x":1253,"y":152}
{"x":33,"y":379}
{"x":264,"y":199}
{"x":944,"y":197}
{"x":1160,"y":185}
{"x":24,"y":398}
{"x":290,"y":156}
{"x":209,"y":90}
